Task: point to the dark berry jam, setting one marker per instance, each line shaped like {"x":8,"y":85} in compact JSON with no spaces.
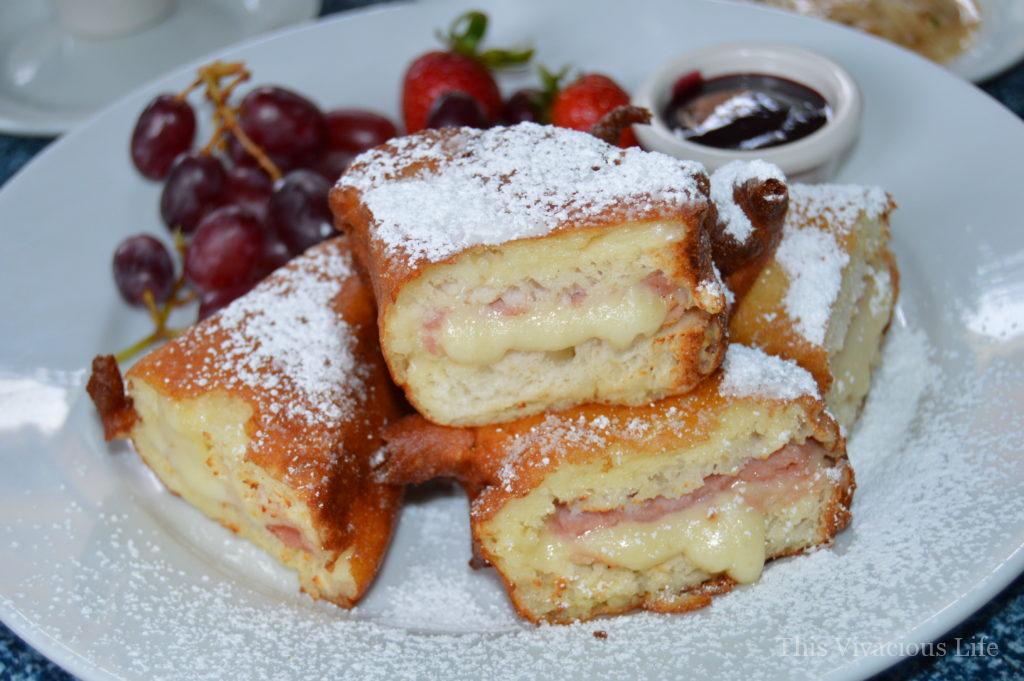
{"x":744,"y":111}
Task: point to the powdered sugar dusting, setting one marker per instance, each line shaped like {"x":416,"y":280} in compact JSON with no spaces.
{"x":284,"y":335}
{"x":837,"y":206}
{"x":814,"y":262}
{"x":716,"y":287}
{"x":735,"y":174}
{"x":750,"y":372}
{"x":550,"y":437}
{"x":433,"y":195}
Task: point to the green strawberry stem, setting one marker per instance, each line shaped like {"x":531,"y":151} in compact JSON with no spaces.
{"x":550,"y":86}
{"x":467,"y":32}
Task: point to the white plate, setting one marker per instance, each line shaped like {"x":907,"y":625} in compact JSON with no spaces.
{"x":113,"y":578}
{"x":51,"y":80}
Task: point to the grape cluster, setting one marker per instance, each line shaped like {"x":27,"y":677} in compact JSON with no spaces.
{"x":244,"y":204}
{"x":457,"y":109}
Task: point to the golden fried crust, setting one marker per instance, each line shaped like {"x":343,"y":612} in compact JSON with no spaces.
{"x":418,"y":450}
{"x":765,"y":203}
{"x":894,"y":277}
{"x":106,"y":388}
{"x":326,"y":462}
{"x":837,"y":511}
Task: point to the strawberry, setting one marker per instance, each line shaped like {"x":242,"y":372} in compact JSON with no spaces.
{"x":437,"y":73}
{"x":460,"y":68}
{"x":585,"y":101}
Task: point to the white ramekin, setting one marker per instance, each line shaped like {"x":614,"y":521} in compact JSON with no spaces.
{"x":811,"y":159}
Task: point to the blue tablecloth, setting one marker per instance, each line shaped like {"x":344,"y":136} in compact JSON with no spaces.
{"x":1000,"y":622}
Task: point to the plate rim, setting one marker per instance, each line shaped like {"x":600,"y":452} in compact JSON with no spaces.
{"x":960,"y":608}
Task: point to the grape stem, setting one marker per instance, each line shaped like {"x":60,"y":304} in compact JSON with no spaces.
{"x":225,"y":116}
{"x":211,"y":78}
{"x":160,"y":315}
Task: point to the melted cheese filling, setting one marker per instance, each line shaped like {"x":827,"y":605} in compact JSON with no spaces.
{"x":468,"y":336}
{"x":728,"y":537}
{"x":198,"y":449}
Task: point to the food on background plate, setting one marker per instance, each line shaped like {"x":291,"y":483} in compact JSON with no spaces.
{"x":937,"y":29}
{"x":526,"y":268}
{"x":265,"y":415}
{"x":826,"y":297}
{"x":604,"y":509}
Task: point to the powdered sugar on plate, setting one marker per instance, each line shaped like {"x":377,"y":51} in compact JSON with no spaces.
{"x":98,"y":570}
{"x":435,"y":194}
{"x":725,"y":180}
{"x":750,"y":372}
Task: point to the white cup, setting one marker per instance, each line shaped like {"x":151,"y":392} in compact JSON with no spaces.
{"x":110,"y":18}
{"x":811,"y":159}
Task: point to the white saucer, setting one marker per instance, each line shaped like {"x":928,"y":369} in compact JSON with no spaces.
{"x":50,"y":80}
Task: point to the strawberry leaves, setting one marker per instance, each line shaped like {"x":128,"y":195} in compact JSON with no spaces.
{"x":467,"y":32}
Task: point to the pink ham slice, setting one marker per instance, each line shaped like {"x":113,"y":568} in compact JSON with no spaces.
{"x":660,"y":284}
{"x":779,"y":479}
{"x":289,"y":536}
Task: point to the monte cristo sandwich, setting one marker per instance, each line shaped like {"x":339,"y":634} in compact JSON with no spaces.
{"x":264,"y":417}
{"x":605,"y":509}
{"x":526,"y":268}
{"x":826,"y":297}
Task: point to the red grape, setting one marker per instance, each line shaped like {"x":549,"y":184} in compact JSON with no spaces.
{"x":142,"y":263}
{"x":298,"y":210}
{"x":332,"y":164}
{"x":249,"y":188}
{"x":286,"y":125}
{"x":194,"y":187}
{"x":213,"y":301}
{"x":355,"y":130}
{"x":165,"y":129}
{"x":454,"y":109}
{"x":238,"y":155}
{"x":227,"y":249}
{"x":275,"y":254}
{"x":524,"y":105}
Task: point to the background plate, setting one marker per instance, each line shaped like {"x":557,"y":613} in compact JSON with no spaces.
{"x":998,"y":45}
{"x":50,"y":80}
{"x":113,"y":578}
